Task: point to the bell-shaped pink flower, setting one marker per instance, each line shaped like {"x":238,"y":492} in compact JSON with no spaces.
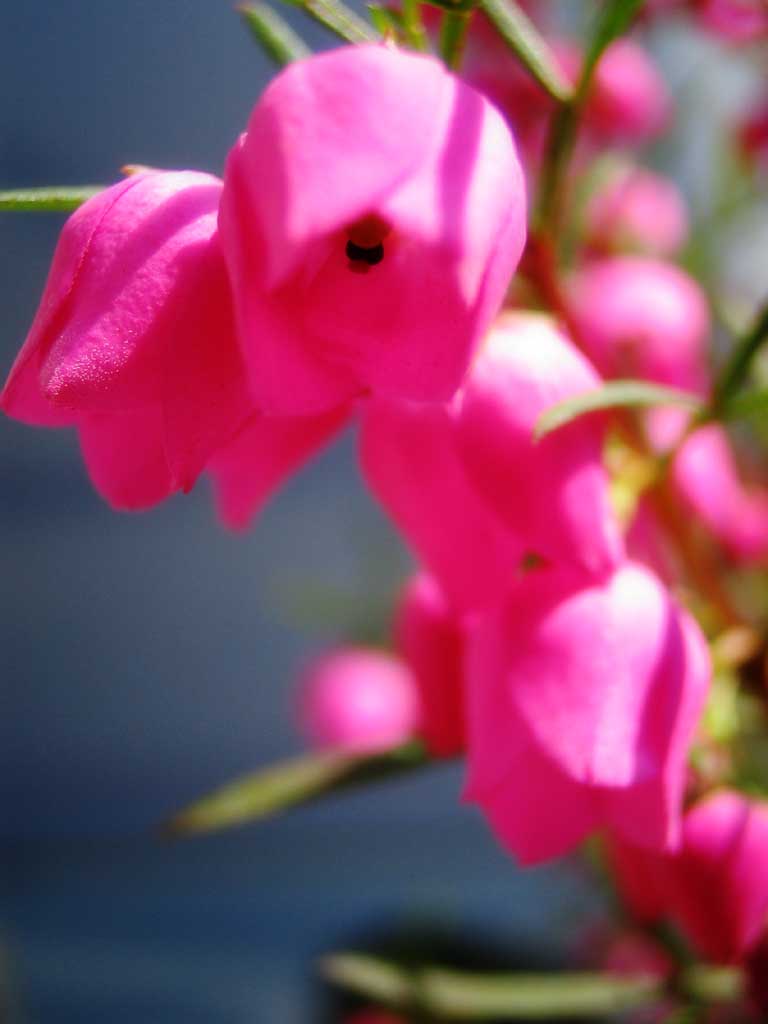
{"x":430,"y":638}
{"x":409,"y":458}
{"x":715,"y":887}
{"x":637,"y":210}
{"x":372,"y":216}
{"x":583,"y":698}
{"x":707,"y":479}
{"x":358,"y":699}
{"x":553,"y":493}
{"x":737,"y":21}
{"x":643,"y":318}
{"x":134,"y":339}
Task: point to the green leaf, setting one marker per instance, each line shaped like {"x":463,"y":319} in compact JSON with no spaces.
{"x":738,"y":365}
{"x":613,"y":394}
{"x":457,"y":995}
{"x":613,"y":20}
{"x":339,"y":19}
{"x":274,"y":34}
{"x":519,"y":32}
{"x":386,"y":21}
{"x":748,"y":403}
{"x":53,"y":198}
{"x":289,"y":784}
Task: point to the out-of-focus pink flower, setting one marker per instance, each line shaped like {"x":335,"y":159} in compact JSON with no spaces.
{"x":553,"y":494}
{"x":753,"y":134}
{"x":716,"y":886}
{"x":134,"y":339}
{"x":430,"y":638}
{"x":637,"y":210}
{"x":643,"y":318}
{"x":372,"y":217}
{"x":582,"y":699}
{"x":267,"y":450}
{"x":358,"y":699}
{"x":629,"y":102}
{"x":738,"y":21}
{"x":707,"y":478}
{"x":409,"y":458}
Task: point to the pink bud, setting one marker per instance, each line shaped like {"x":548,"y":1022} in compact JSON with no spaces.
{"x":553,"y":493}
{"x":707,"y":478}
{"x":637,"y":210}
{"x":358,"y":699}
{"x":629,"y":101}
{"x":753,"y":134}
{"x":643,"y":318}
{"x":430,"y":638}
{"x":716,"y":886}
{"x":737,"y":21}
{"x":134,"y":342}
{"x":583,"y":698}
{"x":372,"y":216}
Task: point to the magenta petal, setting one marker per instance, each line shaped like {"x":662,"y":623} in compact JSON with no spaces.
{"x":22,"y":396}
{"x":707,"y":478}
{"x":135,"y":280}
{"x":553,"y":493}
{"x":430,"y":638}
{"x":409,"y":460}
{"x":126,"y":458}
{"x":248,"y":469}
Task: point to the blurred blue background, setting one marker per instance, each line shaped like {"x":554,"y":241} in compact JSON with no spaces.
{"x":148,"y":658}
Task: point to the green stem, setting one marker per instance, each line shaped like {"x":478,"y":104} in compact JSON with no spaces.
{"x":413,"y":26}
{"x":453,"y":35}
{"x":738,"y":364}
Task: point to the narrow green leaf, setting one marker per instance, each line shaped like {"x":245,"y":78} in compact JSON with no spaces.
{"x":453,"y":35}
{"x":519,"y":32}
{"x":54,"y":198}
{"x":746,"y":404}
{"x":274,"y":34}
{"x":612,"y":21}
{"x":613,"y":394}
{"x":339,"y":19}
{"x":386,"y":20}
{"x":736,"y":369}
{"x":289,"y":784}
{"x":457,"y":995}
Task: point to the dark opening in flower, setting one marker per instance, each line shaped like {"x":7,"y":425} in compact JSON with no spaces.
{"x":360,"y":254}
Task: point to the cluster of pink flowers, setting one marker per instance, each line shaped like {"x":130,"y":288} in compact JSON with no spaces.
{"x":353,"y":264}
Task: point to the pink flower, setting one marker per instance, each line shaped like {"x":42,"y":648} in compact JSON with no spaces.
{"x":410,"y":460}
{"x":134,"y":341}
{"x":716,"y":886}
{"x":430,"y":638}
{"x":637,"y":210}
{"x":629,"y":102}
{"x":707,"y":478}
{"x":583,"y":698}
{"x":553,"y":494}
{"x":738,"y":21}
{"x":358,"y":699}
{"x":372,"y":216}
{"x":643,"y":318}
{"x":753,"y":134}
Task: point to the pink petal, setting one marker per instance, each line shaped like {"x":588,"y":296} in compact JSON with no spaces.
{"x":409,"y":460}
{"x":22,"y":396}
{"x":430,"y":639}
{"x":135,"y":281}
{"x":126,"y":458}
{"x":248,"y":469}
{"x":707,"y":478}
{"x":554,"y":493}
